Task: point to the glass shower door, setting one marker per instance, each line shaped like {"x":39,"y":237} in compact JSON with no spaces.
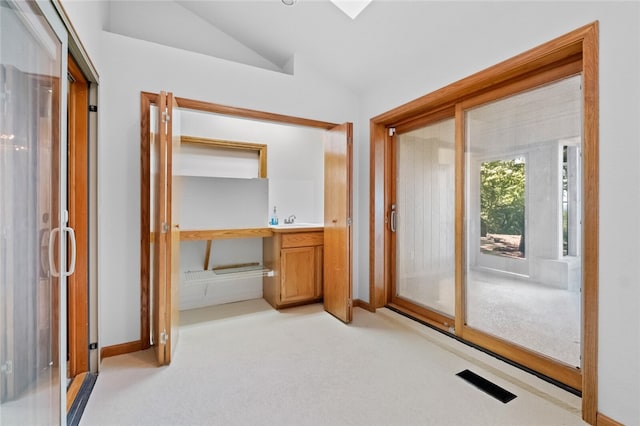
{"x":32,"y":232}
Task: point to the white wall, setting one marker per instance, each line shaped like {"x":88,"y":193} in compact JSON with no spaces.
{"x":139,"y":19}
{"x":88,"y":19}
{"x":510,"y":30}
{"x":132,"y":66}
{"x":295,"y":159}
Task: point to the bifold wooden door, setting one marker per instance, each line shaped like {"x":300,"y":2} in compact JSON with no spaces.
{"x":338,"y":222}
{"x":165,"y":253}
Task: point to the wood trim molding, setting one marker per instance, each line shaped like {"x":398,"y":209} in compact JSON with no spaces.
{"x":603,"y":420}
{"x":590,"y":223}
{"x":359,"y":303}
{"x":261,"y":149}
{"x":121,"y":349}
{"x":250,"y":113}
{"x":378,"y":217}
{"x":574,"y":52}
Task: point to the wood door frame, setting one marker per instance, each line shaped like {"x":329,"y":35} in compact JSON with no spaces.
{"x":78,"y":182}
{"x":580,"y":45}
{"x":146,"y":100}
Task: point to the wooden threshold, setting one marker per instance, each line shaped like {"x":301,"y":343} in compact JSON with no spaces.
{"x":603,"y":420}
{"x":120,"y":349}
{"x":74,"y":389}
{"x":359,"y":303}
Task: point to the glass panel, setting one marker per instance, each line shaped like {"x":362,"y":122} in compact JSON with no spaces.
{"x":425,"y":197}
{"x":522,"y":180}
{"x":30,"y":88}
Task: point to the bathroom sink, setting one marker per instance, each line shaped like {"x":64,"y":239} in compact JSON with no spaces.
{"x":297,"y":225}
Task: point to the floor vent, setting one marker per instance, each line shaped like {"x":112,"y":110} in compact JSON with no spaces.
{"x":486,"y":386}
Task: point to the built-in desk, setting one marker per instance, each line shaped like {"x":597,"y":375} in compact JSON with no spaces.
{"x":221,"y":234}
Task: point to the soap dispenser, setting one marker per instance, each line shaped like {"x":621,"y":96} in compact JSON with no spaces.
{"x":274,"y":218}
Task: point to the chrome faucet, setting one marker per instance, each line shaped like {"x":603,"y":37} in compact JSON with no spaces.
{"x":290,"y":219}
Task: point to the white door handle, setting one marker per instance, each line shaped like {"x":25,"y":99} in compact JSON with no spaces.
{"x":394,"y":218}
{"x":52,"y":262}
{"x":72,"y":239}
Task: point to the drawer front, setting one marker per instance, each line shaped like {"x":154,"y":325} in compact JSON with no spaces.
{"x":302,"y":239}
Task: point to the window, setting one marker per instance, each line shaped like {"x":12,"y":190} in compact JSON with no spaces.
{"x":502,"y":207}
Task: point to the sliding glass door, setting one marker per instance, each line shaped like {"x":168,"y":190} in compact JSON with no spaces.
{"x":423,"y":218}
{"x":525,"y":216}
{"x":33,"y":240}
{"x":511,"y":282}
{"x":523,"y":224}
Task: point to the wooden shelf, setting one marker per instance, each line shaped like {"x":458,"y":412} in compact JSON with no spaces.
{"x":222,"y":234}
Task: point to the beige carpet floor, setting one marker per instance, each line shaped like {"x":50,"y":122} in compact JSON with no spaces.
{"x":248,"y":364}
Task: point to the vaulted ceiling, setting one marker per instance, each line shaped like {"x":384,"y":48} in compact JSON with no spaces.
{"x":387,"y":37}
{"x":357,"y":53}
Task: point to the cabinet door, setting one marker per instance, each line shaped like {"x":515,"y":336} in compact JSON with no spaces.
{"x":298,"y":274}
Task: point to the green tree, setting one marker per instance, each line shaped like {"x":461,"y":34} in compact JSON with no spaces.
{"x":502,"y":197}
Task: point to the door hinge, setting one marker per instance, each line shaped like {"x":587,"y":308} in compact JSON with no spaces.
{"x":93,"y":108}
{"x":164,"y":337}
{"x":350,"y":303}
{"x":392,"y":131}
{"x":165,"y":227}
{"x":165,"y":116}
{"x":93,"y":346}
{"x":349,"y":221}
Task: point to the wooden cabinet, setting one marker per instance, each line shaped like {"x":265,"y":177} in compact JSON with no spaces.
{"x":296,"y":258}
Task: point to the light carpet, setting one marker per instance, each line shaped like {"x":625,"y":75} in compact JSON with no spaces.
{"x":248,"y":364}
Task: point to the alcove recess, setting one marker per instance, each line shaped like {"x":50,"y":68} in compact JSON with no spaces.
{"x":224,"y":197}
